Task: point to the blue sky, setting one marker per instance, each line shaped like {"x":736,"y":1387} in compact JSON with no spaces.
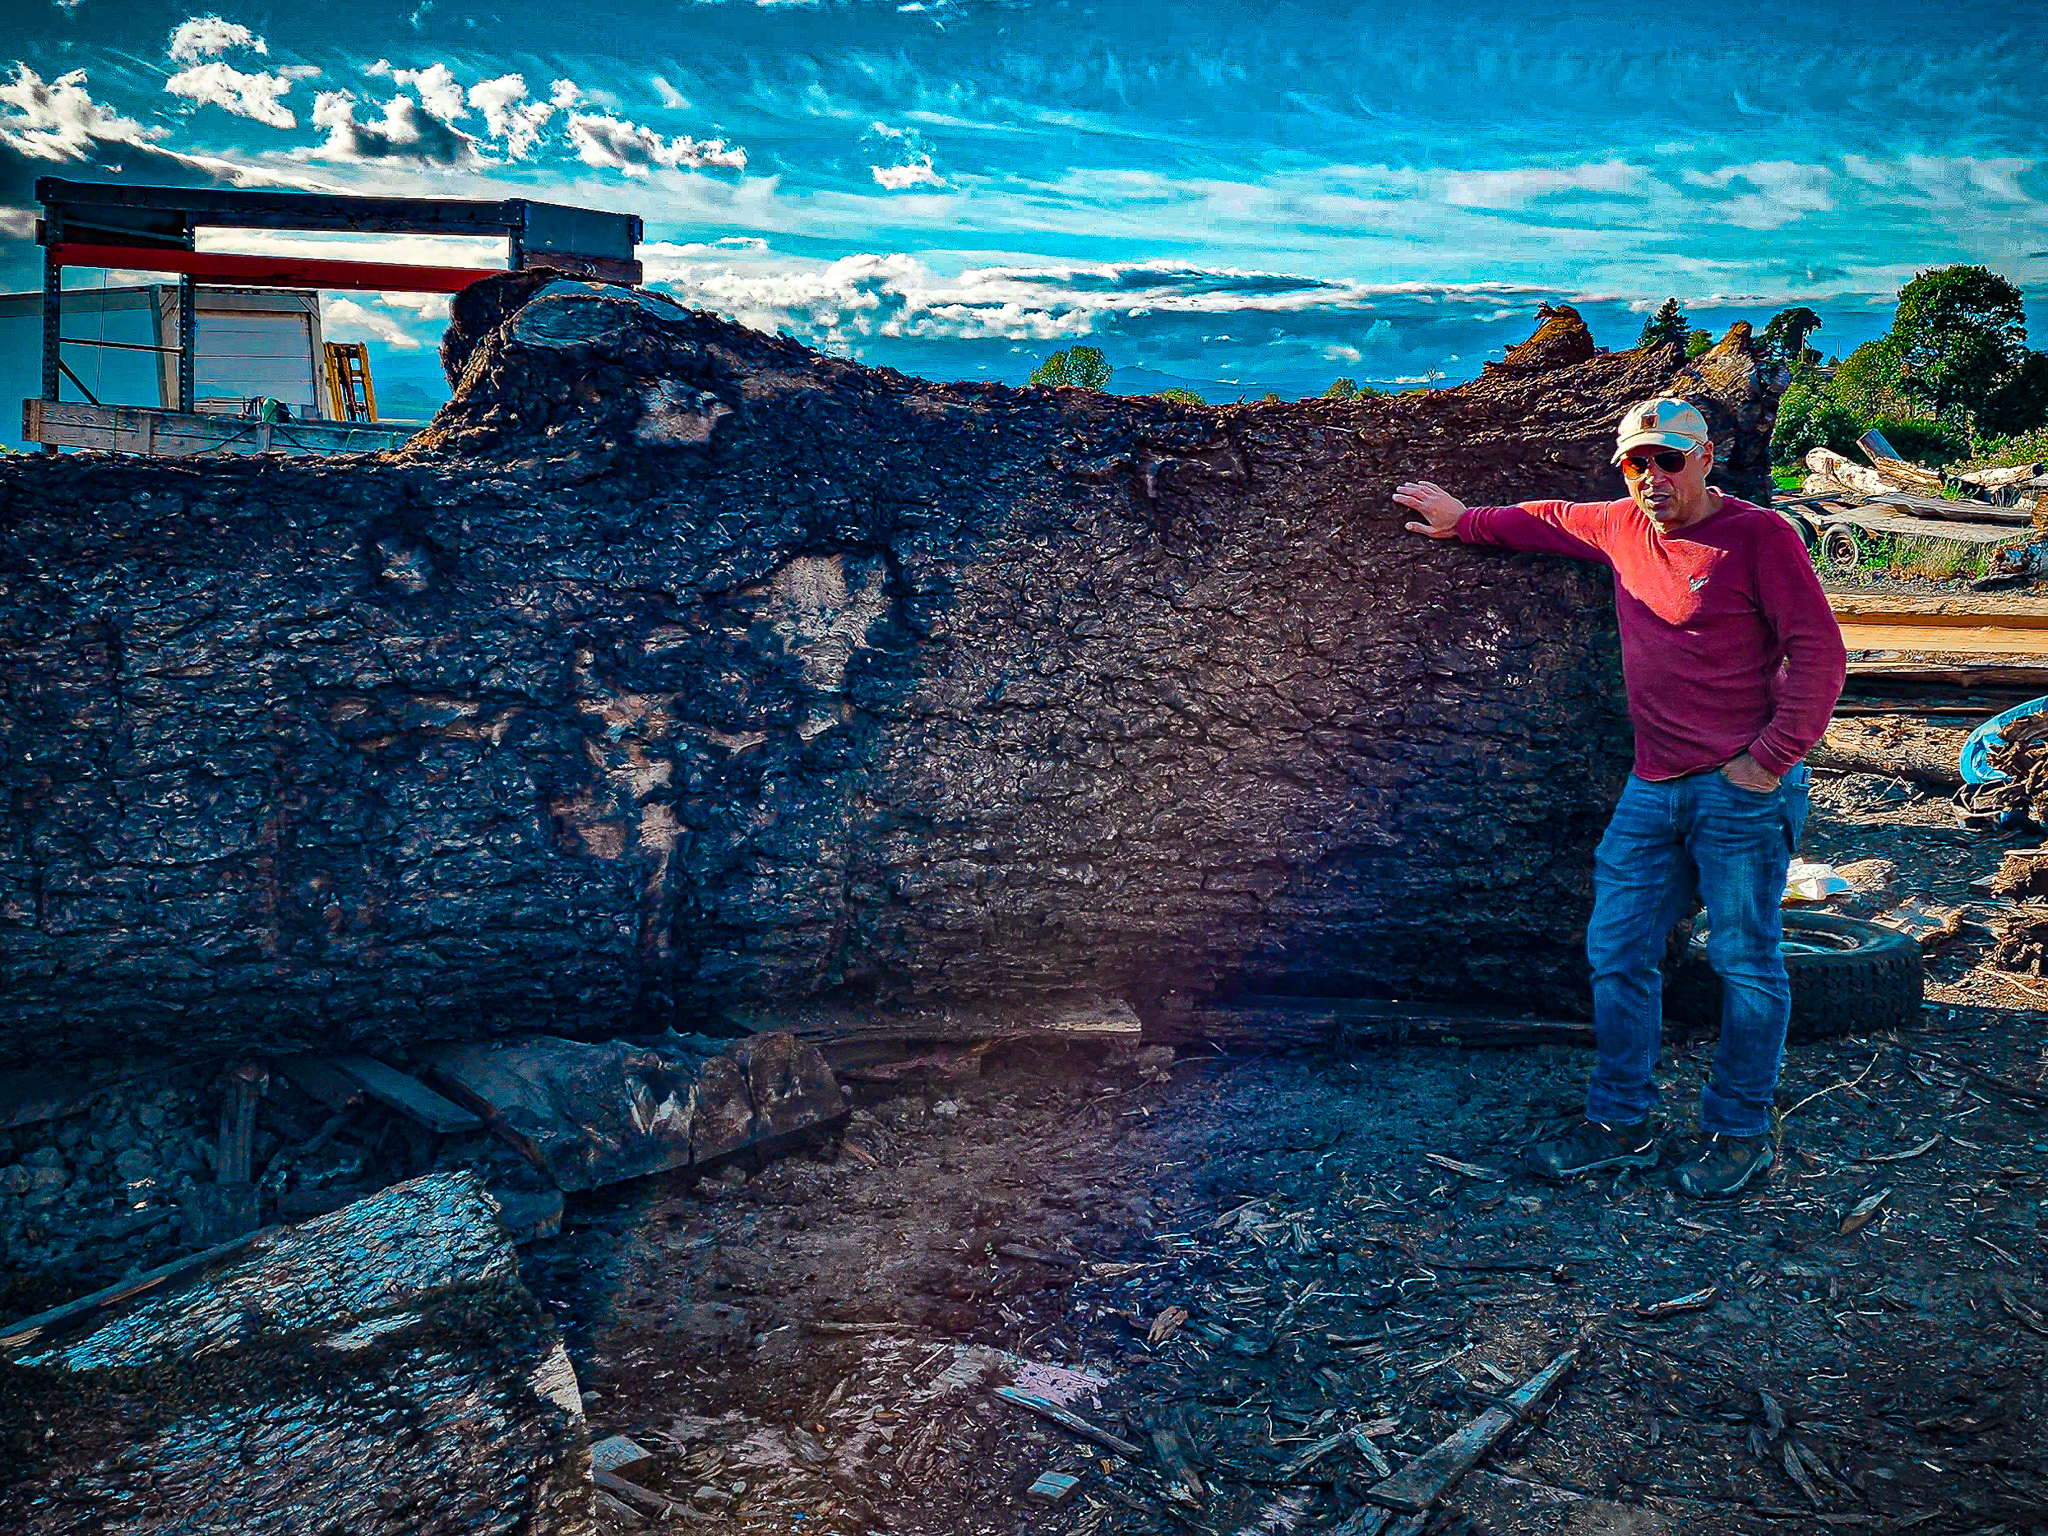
{"x":1233,"y":198}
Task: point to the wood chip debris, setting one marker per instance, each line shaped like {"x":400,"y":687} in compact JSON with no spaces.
{"x":1860,"y":1213}
{"x":1418,"y":1486}
{"x":1906,"y":1156}
{"x":1053,"y":1488}
{"x":1073,"y":1423}
{"x":1166,"y":1325}
{"x":1469,"y":1170}
{"x":1692,"y":1301}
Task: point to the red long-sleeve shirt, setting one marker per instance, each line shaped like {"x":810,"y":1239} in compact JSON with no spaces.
{"x":1727,"y":641}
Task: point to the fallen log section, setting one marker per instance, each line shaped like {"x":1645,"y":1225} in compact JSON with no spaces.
{"x":259,"y":1392}
{"x":676,"y":668}
{"x":1895,"y":747}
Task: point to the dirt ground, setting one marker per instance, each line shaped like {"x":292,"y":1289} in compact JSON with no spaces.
{"x":810,"y":1349}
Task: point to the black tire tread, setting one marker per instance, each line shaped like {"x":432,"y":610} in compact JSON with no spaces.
{"x":1875,"y":987}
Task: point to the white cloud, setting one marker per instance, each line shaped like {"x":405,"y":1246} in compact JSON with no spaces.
{"x":1941,"y":180}
{"x":1341,"y":354}
{"x":404,"y":133}
{"x":671,"y":98}
{"x":437,"y":89}
{"x":1765,"y":194}
{"x":427,"y":306}
{"x":603,"y":141}
{"x":258,"y":97}
{"x":1524,"y":184}
{"x":58,"y":119}
{"x":511,"y":118}
{"x":896,"y":295}
{"x":902,"y":159}
{"x":204,"y":37}
{"x":898,"y":178}
{"x":346,"y":319}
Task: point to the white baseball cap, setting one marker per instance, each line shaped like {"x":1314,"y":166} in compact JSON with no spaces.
{"x":1665,"y":422}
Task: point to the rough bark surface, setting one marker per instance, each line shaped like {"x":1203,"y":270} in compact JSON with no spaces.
{"x":677,"y":667}
{"x":380,"y":1369}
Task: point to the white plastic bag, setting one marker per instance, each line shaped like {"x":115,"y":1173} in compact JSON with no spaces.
{"x":1812,"y":882}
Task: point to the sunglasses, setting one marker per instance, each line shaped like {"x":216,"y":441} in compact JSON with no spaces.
{"x":1670,"y":460}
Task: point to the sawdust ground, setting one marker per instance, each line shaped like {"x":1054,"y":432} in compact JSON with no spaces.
{"x":809,"y":1349}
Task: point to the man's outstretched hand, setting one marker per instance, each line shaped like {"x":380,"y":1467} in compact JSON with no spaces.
{"x":1440,"y":510}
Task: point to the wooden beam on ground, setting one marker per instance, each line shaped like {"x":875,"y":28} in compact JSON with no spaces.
{"x":1076,"y":1018}
{"x":1254,"y":1019}
{"x":590,"y":1114}
{"x":293,"y":1358}
{"x":176,"y":434}
{"x":44,"y":1327}
{"x":408,"y":1095}
{"x":1425,"y":1480}
{"x":1941,"y":625}
{"x":313,"y":1077}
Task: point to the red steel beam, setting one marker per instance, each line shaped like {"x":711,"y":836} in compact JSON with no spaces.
{"x":283,"y":271}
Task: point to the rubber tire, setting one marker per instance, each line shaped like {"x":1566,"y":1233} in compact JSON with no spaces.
{"x":1869,"y":984}
{"x":1841,"y":547}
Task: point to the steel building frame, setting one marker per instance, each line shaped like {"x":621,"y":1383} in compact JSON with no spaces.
{"x":154,"y":229}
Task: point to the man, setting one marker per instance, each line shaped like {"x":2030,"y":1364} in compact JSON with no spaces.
{"x":1733,"y":662}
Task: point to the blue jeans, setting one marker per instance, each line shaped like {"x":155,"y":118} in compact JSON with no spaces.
{"x":1670,"y":844}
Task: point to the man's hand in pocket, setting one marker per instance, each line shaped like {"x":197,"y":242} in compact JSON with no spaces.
{"x":1746,"y":772}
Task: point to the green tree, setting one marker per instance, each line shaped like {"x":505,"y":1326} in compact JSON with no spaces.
{"x":1342,"y":389}
{"x":1699,"y":343}
{"x":2020,"y":404}
{"x":1960,"y":334}
{"x":1784,"y":339}
{"x":1869,"y":382}
{"x":1183,"y":396}
{"x":1666,"y":326}
{"x":1810,"y":417}
{"x":1082,"y":366}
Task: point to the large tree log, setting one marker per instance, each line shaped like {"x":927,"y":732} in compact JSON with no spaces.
{"x":677,"y":667}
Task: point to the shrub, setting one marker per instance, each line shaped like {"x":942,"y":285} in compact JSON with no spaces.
{"x":1867,"y":382}
{"x":1809,"y":418}
{"x":1351,"y":389}
{"x":1183,"y":396}
{"x":1083,"y":366}
{"x":2020,"y":403}
{"x":2022,"y":448}
{"x":1924,"y":439}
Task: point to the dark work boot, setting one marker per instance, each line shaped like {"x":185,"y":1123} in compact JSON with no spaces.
{"x":1590,"y":1147}
{"x":1723,"y":1166}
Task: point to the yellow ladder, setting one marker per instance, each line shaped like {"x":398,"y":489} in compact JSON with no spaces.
{"x":348,"y":381}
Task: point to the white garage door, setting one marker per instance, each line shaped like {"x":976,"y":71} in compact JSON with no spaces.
{"x":241,"y":354}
